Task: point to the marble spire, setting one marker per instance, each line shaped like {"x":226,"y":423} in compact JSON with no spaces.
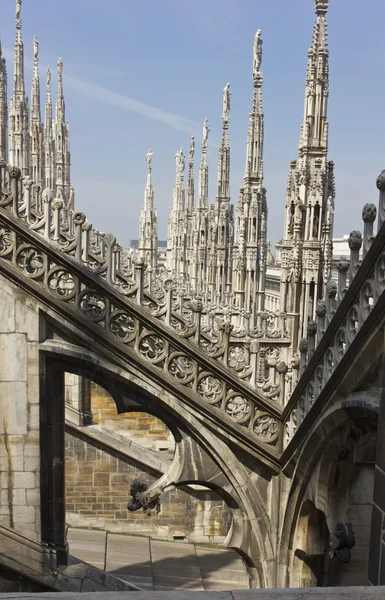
{"x":203,"y":184}
{"x":251,"y":211}
{"x":307,"y":246}
{"x":19,"y":110}
{"x":3,"y":108}
{"x":61,"y":138}
{"x":148,"y":235}
{"x":49,"y":157}
{"x":223,"y":186}
{"x":255,"y":134}
{"x":190,"y":183}
{"x":37,"y":147}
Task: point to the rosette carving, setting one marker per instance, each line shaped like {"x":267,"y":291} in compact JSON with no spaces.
{"x":93,"y":305}
{"x":266,"y":428}
{"x":31,"y":261}
{"x":152,"y":347}
{"x":61,"y":283}
{"x":122,"y":326}
{"x":210,"y":388}
{"x":239,"y":409}
{"x":181,"y":367}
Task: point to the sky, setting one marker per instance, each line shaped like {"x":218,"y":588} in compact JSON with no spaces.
{"x":141,"y":75}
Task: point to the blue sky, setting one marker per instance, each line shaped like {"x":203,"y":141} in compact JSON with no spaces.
{"x":140,"y":75}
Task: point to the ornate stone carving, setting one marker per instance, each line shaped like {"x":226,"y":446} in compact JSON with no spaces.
{"x":380,"y":182}
{"x":355,"y":240}
{"x":331,"y":289}
{"x":343,"y":265}
{"x":321,"y":309}
{"x":303,"y":345}
{"x":369,"y":213}
{"x":6,"y":242}
{"x":312,"y":328}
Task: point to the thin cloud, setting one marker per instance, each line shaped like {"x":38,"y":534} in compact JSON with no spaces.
{"x":119,"y":100}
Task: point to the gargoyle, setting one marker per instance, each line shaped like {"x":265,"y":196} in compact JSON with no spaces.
{"x":142,"y":498}
{"x":342,"y":541}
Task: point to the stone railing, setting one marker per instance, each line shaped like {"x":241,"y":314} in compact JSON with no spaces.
{"x":341,"y":315}
{"x":67,"y":264}
{"x":223,"y":334}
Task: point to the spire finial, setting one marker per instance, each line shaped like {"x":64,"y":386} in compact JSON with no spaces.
{"x":257,"y":58}
{"x":321,"y":7}
{"x":226,"y":102}
{"x":18,"y":11}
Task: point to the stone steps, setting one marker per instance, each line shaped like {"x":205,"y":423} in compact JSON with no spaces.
{"x":158,"y":565}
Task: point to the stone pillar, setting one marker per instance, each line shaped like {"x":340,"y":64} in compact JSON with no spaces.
{"x":376,"y":569}
{"x":52,"y":421}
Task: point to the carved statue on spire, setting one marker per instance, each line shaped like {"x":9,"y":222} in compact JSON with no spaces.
{"x":18,"y":9}
{"x":48,"y":81}
{"x":192,"y":147}
{"x":180,"y":162}
{"x":205,"y":134}
{"x":60,"y":67}
{"x":257,"y":51}
{"x":149,"y":156}
{"x":226,"y":101}
{"x":35,"y":48}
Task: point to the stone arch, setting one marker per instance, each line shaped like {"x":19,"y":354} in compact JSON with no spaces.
{"x":312,"y":476}
{"x":249,"y":536}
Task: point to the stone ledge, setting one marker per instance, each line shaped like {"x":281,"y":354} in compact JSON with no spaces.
{"x":334,"y":593}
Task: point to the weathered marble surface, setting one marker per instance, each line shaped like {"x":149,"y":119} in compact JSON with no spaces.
{"x":336,"y":593}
